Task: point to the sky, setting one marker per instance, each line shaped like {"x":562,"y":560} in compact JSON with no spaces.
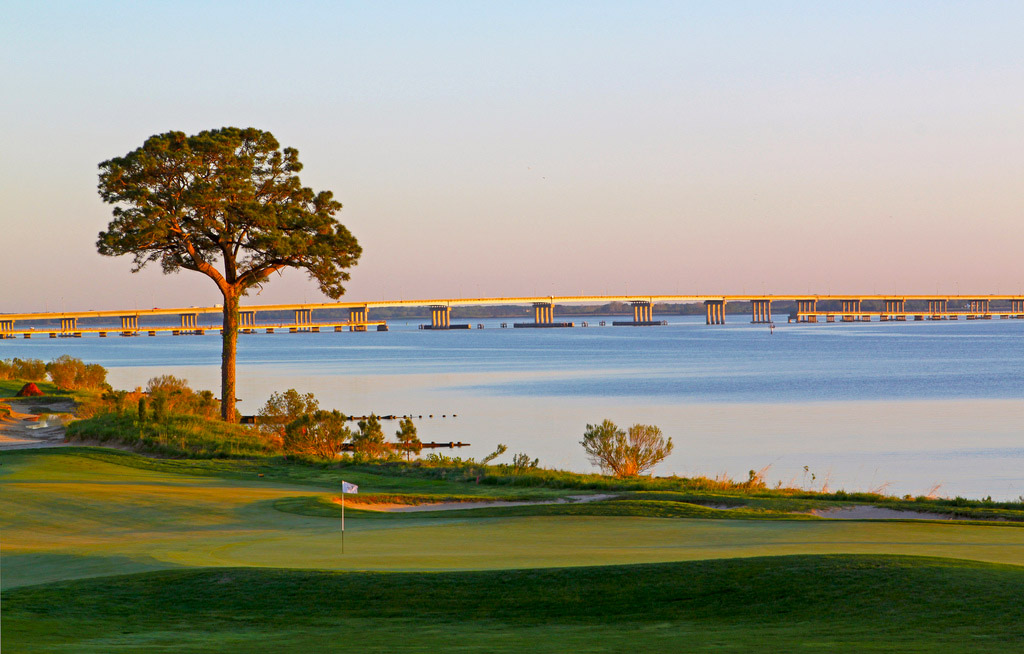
{"x":541,"y":148}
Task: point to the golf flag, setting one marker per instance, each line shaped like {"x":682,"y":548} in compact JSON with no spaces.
{"x":349,"y":488}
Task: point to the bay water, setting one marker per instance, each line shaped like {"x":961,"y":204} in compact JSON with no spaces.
{"x":902,"y":408}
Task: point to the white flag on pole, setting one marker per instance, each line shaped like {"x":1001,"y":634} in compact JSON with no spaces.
{"x":349,"y":488}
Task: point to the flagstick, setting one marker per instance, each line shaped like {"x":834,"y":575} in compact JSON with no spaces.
{"x":343,"y":521}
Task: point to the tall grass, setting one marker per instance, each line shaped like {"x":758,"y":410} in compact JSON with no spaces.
{"x":507,"y":475}
{"x":175,"y":435}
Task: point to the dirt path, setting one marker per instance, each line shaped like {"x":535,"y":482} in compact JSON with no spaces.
{"x":24,"y":428}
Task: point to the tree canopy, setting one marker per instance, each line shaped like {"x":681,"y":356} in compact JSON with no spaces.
{"x":227,"y":203}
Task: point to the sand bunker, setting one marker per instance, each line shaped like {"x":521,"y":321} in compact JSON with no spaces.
{"x":453,"y":506}
{"x":868,"y":512}
{"x":25,"y":428}
{"x":860,"y":512}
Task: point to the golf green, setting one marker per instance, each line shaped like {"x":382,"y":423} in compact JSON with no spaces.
{"x":67,"y":516}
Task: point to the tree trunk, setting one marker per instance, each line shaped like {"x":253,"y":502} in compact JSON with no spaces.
{"x":228,"y":355}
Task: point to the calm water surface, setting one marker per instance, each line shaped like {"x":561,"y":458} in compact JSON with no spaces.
{"x":904,"y":406}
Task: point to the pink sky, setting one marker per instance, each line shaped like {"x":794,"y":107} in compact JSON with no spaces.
{"x":553,"y":149}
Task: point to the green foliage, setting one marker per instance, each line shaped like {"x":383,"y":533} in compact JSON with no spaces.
{"x":160,"y":408}
{"x":143,"y":409}
{"x":69,"y":373}
{"x":283,"y":408}
{"x":29,"y":370}
{"x":227,"y":197}
{"x":115,"y":399}
{"x":408,"y":441}
{"x":498,"y":451}
{"x":175,"y":396}
{"x":369,"y":440}
{"x":319,"y":434}
{"x":521,"y":463}
{"x":625,"y":454}
{"x":185,"y":201}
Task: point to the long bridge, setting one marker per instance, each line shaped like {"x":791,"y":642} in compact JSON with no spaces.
{"x":809,"y":309}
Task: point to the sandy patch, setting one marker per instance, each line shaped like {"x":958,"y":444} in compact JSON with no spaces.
{"x":868,"y":512}
{"x":25,"y":428}
{"x":454,"y":506}
{"x":862,"y":512}
{"x":720,"y":507}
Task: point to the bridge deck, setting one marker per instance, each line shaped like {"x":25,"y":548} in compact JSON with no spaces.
{"x":495,"y":301}
{"x":103,"y":331}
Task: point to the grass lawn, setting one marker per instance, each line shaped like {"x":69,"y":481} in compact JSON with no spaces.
{"x":10,"y":387}
{"x":800,"y":603}
{"x":107,"y":551}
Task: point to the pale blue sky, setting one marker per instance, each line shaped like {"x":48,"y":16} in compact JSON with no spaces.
{"x":539,"y":147}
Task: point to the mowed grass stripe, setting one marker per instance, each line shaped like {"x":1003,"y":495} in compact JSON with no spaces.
{"x":839,"y":603}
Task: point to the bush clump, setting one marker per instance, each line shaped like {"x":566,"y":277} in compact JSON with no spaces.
{"x":168,"y":394}
{"x":71,"y":374}
{"x":33,"y":370}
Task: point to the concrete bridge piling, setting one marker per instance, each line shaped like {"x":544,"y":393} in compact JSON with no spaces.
{"x":643,"y":316}
{"x":357,"y":315}
{"x":807,"y":310}
{"x":714,"y":312}
{"x":543,"y":316}
{"x":761,"y":312}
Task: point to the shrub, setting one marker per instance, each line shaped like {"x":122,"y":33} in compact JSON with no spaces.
{"x":33,"y":370}
{"x":320,"y":434}
{"x":521,"y":463}
{"x":159,"y":407}
{"x":175,"y":396}
{"x":282,"y":409}
{"x":625,"y":454}
{"x":71,"y":374}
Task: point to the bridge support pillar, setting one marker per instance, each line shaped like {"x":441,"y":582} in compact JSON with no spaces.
{"x":938,"y":309}
{"x":129,"y":325}
{"x":895,"y":305}
{"x":807,"y":310}
{"x":5,"y":327}
{"x":543,"y":313}
{"x":189,"y":322}
{"x":247,"y":322}
{"x":1016,"y":308}
{"x":357,"y":315}
{"x":68,"y":324}
{"x":851,"y":310}
{"x":440,"y":316}
{"x":714,"y":312}
{"x":642,"y":311}
{"x":543,"y":316}
{"x":979,"y":307}
{"x":761,"y":311}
